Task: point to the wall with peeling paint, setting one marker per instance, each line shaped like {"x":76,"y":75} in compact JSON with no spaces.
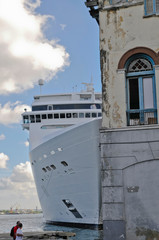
{"x":129,"y":155}
{"x":122,"y":27}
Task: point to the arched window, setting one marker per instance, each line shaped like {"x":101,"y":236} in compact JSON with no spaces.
{"x":141,"y":90}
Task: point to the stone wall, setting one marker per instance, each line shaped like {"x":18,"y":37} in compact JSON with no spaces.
{"x":130,"y":183}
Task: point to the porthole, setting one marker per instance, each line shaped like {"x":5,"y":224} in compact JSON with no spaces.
{"x":53,"y":166}
{"x":48,"y":168}
{"x":44,"y":169}
{"x":64,"y":163}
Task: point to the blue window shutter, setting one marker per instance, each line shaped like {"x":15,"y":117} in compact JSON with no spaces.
{"x":139,"y":114}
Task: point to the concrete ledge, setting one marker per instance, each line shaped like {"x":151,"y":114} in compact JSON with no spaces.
{"x":41,"y":235}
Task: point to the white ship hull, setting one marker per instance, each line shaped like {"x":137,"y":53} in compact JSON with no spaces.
{"x":66,"y":169}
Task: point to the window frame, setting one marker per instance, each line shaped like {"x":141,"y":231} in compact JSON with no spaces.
{"x":140,"y":75}
{"x":154,"y":12}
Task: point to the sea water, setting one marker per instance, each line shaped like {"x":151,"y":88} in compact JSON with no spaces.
{"x":36,"y":222}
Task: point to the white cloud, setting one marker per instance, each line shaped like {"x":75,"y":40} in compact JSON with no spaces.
{"x":26,"y":55}
{"x":22,"y":173}
{"x":3,"y":160}
{"x":19,"y":188}
{"x":26,"y":143}
{"x":10,"y":113}
{"x":2,"y":137}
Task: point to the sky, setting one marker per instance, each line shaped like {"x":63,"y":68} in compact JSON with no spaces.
{"x":53,"y":40}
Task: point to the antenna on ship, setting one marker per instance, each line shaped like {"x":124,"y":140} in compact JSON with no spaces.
{"x":89,"y":85}
{"x":41,"y":83}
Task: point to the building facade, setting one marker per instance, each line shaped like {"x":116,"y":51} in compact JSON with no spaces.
{"x":129,"y":57}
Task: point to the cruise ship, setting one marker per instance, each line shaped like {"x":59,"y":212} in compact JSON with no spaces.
{"x":65,"y":156}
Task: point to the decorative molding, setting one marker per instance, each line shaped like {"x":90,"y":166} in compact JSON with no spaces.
{"x":138,"y":50}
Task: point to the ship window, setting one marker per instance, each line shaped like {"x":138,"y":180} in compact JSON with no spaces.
{"x":53,"y":166}
{"x":75,"y":212}
{"x":44,"y":169}
{"x":26,"y":119}
{"x":50,"y":107}
{"x":71,"y":208}
{"x":68,"y":115}
{"x":94,"y":115}
{"x":68,"y":203}
{"x":64,"y":163}
{"x":43,"y":116}
{"x":75,"y":115}
{"x":62,"y":115}
{"x":32,"y":119}
{"x":99,"y":114}
{"x":48,"y":168}
{"x":81,"y":115}
{"x":39,"y":108}
{"x":56,"y":115}
{"x":75,"y":106}
{"x":38,"y":118}
{"x":50,"y":116}
{"x":87,"y":115}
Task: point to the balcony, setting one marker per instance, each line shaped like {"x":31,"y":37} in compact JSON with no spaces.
{"x":141,"y":117}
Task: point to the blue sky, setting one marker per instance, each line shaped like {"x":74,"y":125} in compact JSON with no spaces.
{"x":56,"y":40}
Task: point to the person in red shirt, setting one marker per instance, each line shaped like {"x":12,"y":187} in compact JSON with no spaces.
{"x":15,"y":230}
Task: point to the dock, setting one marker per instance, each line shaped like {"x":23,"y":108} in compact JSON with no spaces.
{"x":41,"y":235}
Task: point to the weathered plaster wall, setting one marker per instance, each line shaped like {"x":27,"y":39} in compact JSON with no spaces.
{"x":130,"y":183}
{"x":121,"y":29}
{"x":129,"y":155}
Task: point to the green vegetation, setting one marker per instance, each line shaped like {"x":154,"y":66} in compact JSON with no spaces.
{"x":20,"y":211}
